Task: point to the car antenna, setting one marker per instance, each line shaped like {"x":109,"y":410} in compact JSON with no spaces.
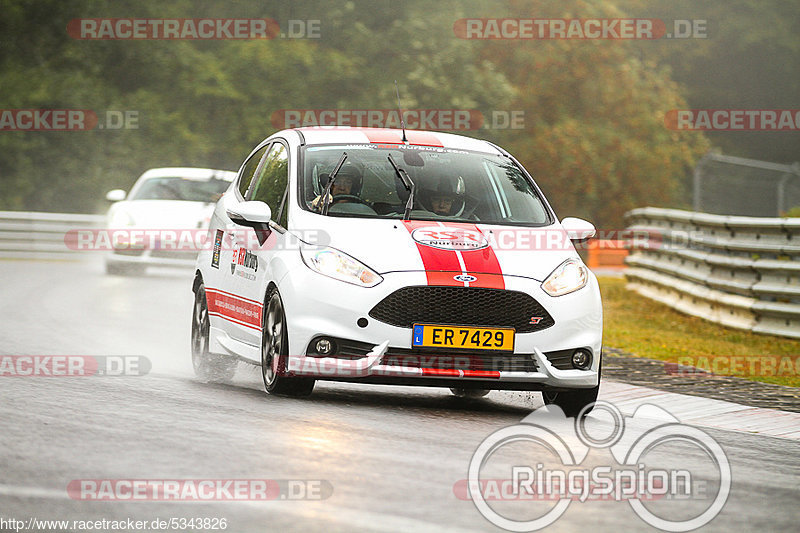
{"x":400,"y":110}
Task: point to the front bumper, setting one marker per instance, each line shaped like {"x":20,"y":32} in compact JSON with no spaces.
{"x":318,"y":306}
{"x":373,"y":369}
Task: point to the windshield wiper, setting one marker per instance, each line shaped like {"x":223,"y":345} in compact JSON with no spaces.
{"x":408,"y":184}
{"x":331,"y":178}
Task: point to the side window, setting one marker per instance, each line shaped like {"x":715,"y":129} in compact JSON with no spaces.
{"x":250,"y":169}
{"x":273,"y":179}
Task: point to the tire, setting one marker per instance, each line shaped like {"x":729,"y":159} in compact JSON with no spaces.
{"x":575,"y":401}
{"x":470,"y":393}
{"x":275,"y":348}
{"x":209,"y":367}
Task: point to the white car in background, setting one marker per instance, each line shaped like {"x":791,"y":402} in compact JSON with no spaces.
{"x":174,"y":199}
{"x":396,"y":257}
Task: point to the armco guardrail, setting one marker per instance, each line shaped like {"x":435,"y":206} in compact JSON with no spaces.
{"x":40,"y":235}
{"x":742,"y":272}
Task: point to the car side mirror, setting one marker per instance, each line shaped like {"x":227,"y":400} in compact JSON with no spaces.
{"x":115,"y":195}
{"x":253,"y":214}
{"x":578,"y":230}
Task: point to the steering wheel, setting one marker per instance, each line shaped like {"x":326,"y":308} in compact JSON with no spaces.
{"x":353,"y":197}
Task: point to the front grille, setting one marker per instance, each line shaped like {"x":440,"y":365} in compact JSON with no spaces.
{"x":462,"y":306}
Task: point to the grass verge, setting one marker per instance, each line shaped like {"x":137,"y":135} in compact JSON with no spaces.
{"x":650,"y":329}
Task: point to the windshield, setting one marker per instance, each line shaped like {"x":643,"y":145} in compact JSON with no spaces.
{"x":175,"y":188}
{"x":450,"y":185}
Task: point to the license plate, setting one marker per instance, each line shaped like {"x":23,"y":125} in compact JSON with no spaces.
{"x":464,"y":337}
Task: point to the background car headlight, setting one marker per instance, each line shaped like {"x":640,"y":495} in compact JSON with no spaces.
{"x":568,"y":277}
{"x":121,"y":219}
{"x":338,"y":265}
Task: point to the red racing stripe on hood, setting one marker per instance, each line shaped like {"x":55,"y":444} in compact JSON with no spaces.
{"x":443,"y":266}
{"x":434,"y":260}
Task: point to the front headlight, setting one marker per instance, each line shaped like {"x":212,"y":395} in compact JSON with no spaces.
{"x":338,"y":265}
{"x":568,"y":277}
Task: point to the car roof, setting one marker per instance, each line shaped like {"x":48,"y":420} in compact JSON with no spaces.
{"x":189,"y":173}
{"x":351,"y":135}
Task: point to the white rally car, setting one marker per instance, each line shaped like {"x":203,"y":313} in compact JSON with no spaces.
{"x":163,"y":201}
{"x":410,"y":258}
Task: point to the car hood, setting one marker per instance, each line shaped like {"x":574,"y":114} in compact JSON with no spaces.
{"x":160,"y":214}
{"x":398,"y":246}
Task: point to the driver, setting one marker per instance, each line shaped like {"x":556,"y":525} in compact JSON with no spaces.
{"x":348,"y":183}
{"x":445,"y":196}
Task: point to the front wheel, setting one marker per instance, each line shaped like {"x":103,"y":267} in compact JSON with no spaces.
{"x":574,"y":401}
{"x":274,"y":349}
{"x":207,"y":366}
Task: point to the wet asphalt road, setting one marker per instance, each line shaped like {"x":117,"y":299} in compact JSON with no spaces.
{"x":388,"y":458}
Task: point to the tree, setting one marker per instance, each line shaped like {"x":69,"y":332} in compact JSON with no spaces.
{"x":595,"y":137}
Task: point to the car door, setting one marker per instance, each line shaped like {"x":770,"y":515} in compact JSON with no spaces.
{"x":250,"y":259}
{"x":227,"y":308}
